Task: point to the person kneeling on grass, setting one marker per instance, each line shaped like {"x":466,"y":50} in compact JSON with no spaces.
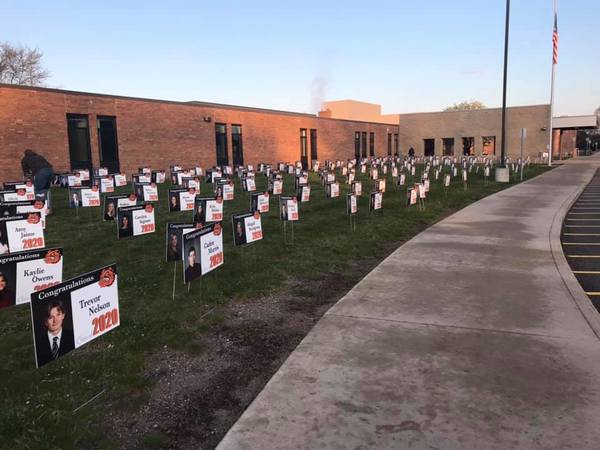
{"x":40,"y":169}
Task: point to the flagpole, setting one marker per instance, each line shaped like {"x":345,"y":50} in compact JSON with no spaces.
{"x":554,"y":30}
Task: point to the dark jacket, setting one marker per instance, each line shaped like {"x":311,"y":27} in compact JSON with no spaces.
{"x":43,"y":349}
{"x":32,"y":163}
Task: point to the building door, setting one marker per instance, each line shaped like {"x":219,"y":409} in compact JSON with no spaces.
{"x":79,"y":141}
{"x":314,"y":155}
{"x":468,"y":146}
{"x":448,"y":146}
{"x":303,"y":148}
{"x":237,"y":146}
{"x":363,"y":144}
{"x":108,"y":144}
{"x":429,"y":147}
{"x":221,"y":144}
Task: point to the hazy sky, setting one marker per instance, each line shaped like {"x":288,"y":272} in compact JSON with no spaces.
{"x":406,"y":55}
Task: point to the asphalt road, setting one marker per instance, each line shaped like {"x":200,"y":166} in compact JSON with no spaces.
{"x":581,"y":240}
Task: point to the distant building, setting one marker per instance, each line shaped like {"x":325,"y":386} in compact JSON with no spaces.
{"x":472,"y":132}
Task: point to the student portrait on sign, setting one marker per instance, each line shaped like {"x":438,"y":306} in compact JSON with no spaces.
{"x":73,"y":313}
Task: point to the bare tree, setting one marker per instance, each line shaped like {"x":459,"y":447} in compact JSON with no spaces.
{"x":466,"y":106}
{"x":21,"y":65}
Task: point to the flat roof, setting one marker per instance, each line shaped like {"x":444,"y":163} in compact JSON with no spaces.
{"x":183,"y":103}
{"x":588,"y":121}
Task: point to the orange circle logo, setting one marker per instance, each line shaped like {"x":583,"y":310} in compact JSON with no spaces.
{"x":107,"y":277}
{"x":52,"y":257}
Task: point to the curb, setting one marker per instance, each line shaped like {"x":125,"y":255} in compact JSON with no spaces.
{"x":578,"y":296}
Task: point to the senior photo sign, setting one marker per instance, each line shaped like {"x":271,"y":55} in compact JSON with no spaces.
{"x":84,"y":197}
{"x":23,"y":273}
{"x":288,"y":209}
{"x":260,"y":202}
{"x":21,"y":232}
{"x":182,"y":199}
{"x":71,"y":314}
{"x":135,"y":220}
{"x":376,"y":201}
{"x":202,"y":251}
{"x":351,"y":204}
{"x":208,"y":209}
{"x":175,"y":232}
{"x":247,"y":228}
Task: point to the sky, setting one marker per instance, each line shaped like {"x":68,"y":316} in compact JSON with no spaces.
{"x":408,"y":56}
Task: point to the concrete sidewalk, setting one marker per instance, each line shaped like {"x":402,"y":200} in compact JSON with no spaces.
{"x":472,"y":335}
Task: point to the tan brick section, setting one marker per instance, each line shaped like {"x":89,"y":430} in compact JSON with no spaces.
{"x":477,"y":123}
{"x":162,"y":133}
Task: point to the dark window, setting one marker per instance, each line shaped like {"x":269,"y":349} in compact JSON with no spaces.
{"x":371,"y":144}
{"x":79,"y":141}
{"x":237,"y":146}
{"x":468,"y":145}
{"x":221,"y":141}
{"x":108,"y":143}
{"x":303,"y":148}
{"x":389,"y":144}
{"x":448,"y":146}
{"x":429,"y":147}
{"x":313,"y":145}
{"x":357,"y":145}
{"x":396,"y":148}
{"x":363,"y":144}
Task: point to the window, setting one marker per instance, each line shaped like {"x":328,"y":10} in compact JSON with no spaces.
{"x":108,"y":143}
{"x":468,"y":146}
{"x":357,"y":145}
{"x":396,"y":144}
{"x":429,"y":147}
{"x":363,"y":144}
{"x":79,"y":141}
{"x":237,"y":145}
{"x":389,"y":144}
{"x":221,"y":141}
{"x":371,"y":144}
{"x":313,"y":145}
{"x":448,"y":146}
{"x":489,"y":145}
{"x":303,"y":148}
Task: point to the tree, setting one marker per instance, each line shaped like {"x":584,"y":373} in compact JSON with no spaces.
{"x":466,"y":106}
{"x":21,"y":65}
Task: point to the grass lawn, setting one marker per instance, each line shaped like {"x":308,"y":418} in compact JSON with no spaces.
{"x":37,"y":405}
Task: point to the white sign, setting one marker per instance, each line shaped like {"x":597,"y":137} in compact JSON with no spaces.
{"x":253,"y":228}
{"x":214,"y":210}
{"x":211,"y":250}
{"x":186,"y":200}
{"x":23,"y":232}
{"x":143,"y":221}
{"x":228,"y":191}
{"x":74,"y":313}
{"x":120,"y":179}
{"x":90,"y":197}
{"x":107,"y":185}
{"x":150,"y":192}
{"x":27,"y":272}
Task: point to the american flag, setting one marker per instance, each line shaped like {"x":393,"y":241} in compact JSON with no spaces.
{"x":555,"y":42}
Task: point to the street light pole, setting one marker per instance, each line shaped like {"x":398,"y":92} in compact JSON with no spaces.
{"x":502,"y":174}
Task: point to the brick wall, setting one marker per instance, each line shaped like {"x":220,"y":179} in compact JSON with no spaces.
{"x":479,"y":123}
{"x":160,"y":133}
